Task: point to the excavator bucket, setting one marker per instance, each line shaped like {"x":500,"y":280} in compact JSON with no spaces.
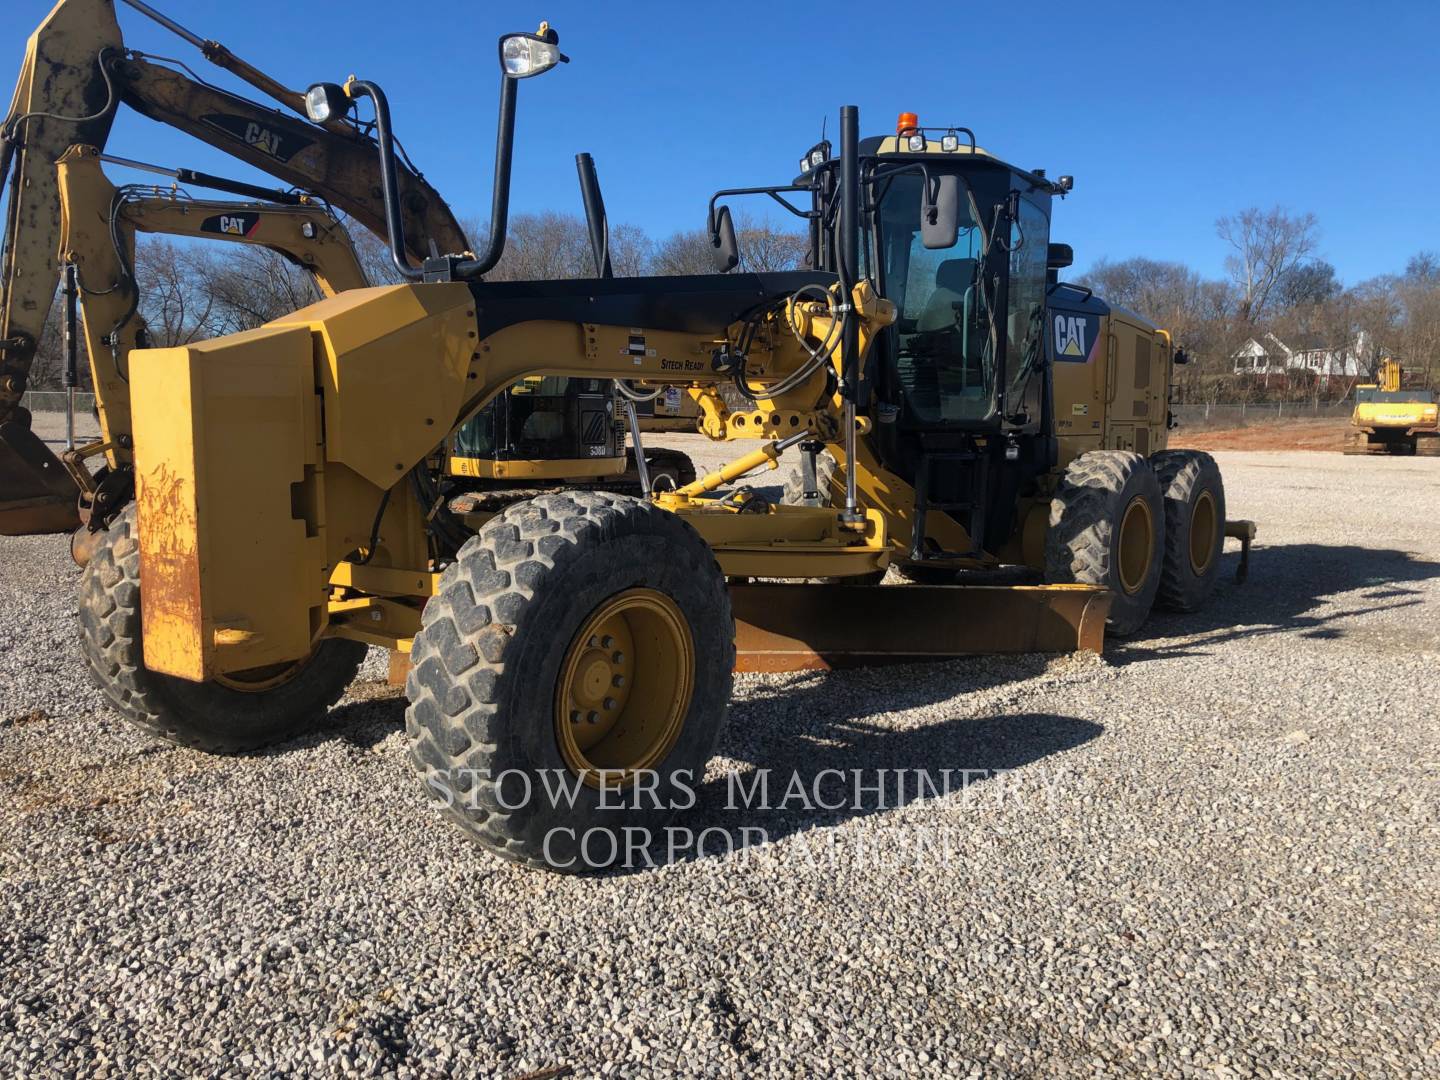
{"x":780,"y":627}
{"x":37,"y":493}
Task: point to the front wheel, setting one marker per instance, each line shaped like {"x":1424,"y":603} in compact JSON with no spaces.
{"x":242,"y":711}
{"x":571,"y":679}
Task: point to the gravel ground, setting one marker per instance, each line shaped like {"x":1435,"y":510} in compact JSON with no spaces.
{"x":1212,"y":853}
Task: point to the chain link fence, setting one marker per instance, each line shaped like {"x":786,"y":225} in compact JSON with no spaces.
{"x":1241,"y":414}
{"x":1221,"y":414}
{"x":42,"y":401}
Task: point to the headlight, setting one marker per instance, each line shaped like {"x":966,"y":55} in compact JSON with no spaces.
{"x":524,"y":55}
{"x":916,"y":143}
{"x":326,"y":101}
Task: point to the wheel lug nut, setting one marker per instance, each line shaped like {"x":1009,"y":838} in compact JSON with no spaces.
{"x":606,"y":641}
{"x":574,"y":716}
{"x":618,"y":681}
{"x":617,"y":657}
{"x":609,"y":703}
{"x":592,"y":717}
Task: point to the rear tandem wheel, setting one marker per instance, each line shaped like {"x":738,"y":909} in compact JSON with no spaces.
{"x":1194,"y":527}
{"x":1107,"y":526}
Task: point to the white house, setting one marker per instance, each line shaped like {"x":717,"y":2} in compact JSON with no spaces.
{"x":1269,"y":355}
{"x":1264,"y":356}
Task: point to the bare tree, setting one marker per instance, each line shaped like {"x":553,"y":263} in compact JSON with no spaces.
{"x":174,"y":300}
{"x":253,"y":285}
{"x":763,"y":248}
{"x":1307,"y":285}
{"x":1423,"y":266}
{"x":684,"y":253}
{"x":1267,"y":244}
{"x":1197,"y":313}
{"x":47,"y":369}
{"x":374,"y":254}
{"x":1418,"y":293}
{"x":548,"y":246}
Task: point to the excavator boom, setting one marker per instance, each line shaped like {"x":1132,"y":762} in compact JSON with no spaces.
{"x":75,"y":74}
{"x":64,"y":96}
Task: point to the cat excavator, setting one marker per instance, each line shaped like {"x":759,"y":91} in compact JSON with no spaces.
{"x":77,"y":72}
{"x":98,"y":223}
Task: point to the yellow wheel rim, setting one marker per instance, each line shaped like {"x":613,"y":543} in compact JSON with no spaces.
{"x":256,"y":680}
{"x":1137,"y":545}
{"x":1202,"y":533}
{"x":624,"y":688}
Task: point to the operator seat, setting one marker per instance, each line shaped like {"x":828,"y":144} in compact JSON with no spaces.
{"x":932,"y":374}
{"x":953,"y":278}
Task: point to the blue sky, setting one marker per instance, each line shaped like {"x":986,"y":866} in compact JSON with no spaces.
{"x":1168,"y":115}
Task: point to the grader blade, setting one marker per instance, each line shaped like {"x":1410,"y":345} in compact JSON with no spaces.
{"x":808,"y":627}
{"x":37,"y":493}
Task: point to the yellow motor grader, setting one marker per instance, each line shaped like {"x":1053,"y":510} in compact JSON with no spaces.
{"x":954,"y":408}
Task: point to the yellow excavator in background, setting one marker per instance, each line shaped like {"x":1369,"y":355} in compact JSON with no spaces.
{"x":1389,"y":420}
{"x":97,"y":244}
{"x":77,"y":72}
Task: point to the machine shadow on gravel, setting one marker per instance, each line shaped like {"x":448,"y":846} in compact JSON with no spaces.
{"x":824,"y":722}
{"x":807,"y":723}
{"x":1288,"y":586}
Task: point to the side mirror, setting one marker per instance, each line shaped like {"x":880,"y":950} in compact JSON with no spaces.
{"x":1059,"y":256}
{"x":940,"y":212}
{"x":722,"y":239}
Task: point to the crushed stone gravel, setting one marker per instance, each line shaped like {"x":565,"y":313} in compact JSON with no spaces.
{"x":1212,"y":853}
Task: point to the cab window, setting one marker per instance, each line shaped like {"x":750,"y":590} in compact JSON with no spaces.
{"x":941,"y":362}
{"x":1025,"y":338}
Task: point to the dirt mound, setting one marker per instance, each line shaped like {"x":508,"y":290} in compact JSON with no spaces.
{"x":1326,"y":435}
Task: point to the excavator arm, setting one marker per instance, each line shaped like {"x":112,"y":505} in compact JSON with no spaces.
{"x":99,"y":222}
{"x":98,"y":225}
{"x":75,"y":75}
{"x":338,"y":167}
{"x":64,"y":96}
